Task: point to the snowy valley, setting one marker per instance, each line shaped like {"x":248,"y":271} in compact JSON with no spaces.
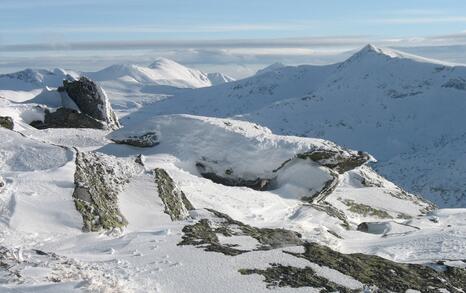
{"x":347,"y":177}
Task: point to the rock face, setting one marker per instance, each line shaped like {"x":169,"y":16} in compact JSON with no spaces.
{"x":376,"y":273}
{"x":336,"y":161}
{"x":2,"y":184}
{"x":91,"y":100}
{"x":229,"y":180}
{"x":98,"y":181}
{"x":204,"y":234}
{"x":177,"y":206}
{"x":67,"y":118}
{"x":146,"y":140}
{"x":6,"y":122}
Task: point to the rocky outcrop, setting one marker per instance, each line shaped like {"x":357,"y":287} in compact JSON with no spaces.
{"x":335,"y":160}
{"x":375,"y":273}
{"x":204,"y":234}
{"x":146,"y":140}
{"x":177,"y":206}
{"x":2,"y":184}
{"x":67,"y":118}
{"x":98,"y":180}
{"x":79,"y":104}
{"x":229,"y":180}
{"x":366,"y":210}
{"x":386,"y":275}
{"x":6,"y":122}
{"x":456,"y":83}
{"x":91,"y":100}
{"x":278,"y":275}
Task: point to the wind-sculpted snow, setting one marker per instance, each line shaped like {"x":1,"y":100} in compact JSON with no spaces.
{"x":19,"y":153}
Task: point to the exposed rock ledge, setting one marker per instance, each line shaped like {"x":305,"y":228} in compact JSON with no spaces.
{"x":177,"y":206}
{"x":98,"y":180}
{"x":376,"y":274}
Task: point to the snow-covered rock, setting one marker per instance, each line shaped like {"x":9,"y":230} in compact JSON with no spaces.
{"x":238,"y":153}
{"x":6,"y":122}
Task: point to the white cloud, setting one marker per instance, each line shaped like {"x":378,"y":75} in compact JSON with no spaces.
{"x":187,"y":28}
{"x":428,"y":19}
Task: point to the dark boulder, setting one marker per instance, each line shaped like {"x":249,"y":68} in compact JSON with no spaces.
{"x":67,"y":118}
{"x":6,"y":122}
{"x":260,"y":184}
{"x":91,"y":100}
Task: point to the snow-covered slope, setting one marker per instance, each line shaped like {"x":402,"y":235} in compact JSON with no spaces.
{"x":247,"y":94}
{"x":403,"y":104}
{"x":217,"y":78}
{"x":184,"y":203}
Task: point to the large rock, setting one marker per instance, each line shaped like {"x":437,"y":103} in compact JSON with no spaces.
{"x":6,"y":122}
{"x":91,"y":100}
{"x":67,"y":118}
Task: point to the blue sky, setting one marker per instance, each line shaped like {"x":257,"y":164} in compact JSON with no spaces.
{"x":54,"y":28}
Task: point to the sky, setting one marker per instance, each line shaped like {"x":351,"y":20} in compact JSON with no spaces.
{"x":236,"y":37}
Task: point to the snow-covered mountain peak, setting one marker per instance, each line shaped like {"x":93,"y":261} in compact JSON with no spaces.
{"x":164,"y":62}
{"x":271,"y":67}
{"x":371,"y":53}
{"x":161,"y":72}
{"x":28,"y":79}
{"x":217,"y":78}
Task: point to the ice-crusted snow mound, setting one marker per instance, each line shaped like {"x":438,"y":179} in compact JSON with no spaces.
{"x":239,"y":153}
{"x":245,"y":147}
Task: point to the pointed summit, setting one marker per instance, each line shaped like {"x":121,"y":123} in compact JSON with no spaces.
{"x":372,"y":53}
{"x":370,"y":49}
